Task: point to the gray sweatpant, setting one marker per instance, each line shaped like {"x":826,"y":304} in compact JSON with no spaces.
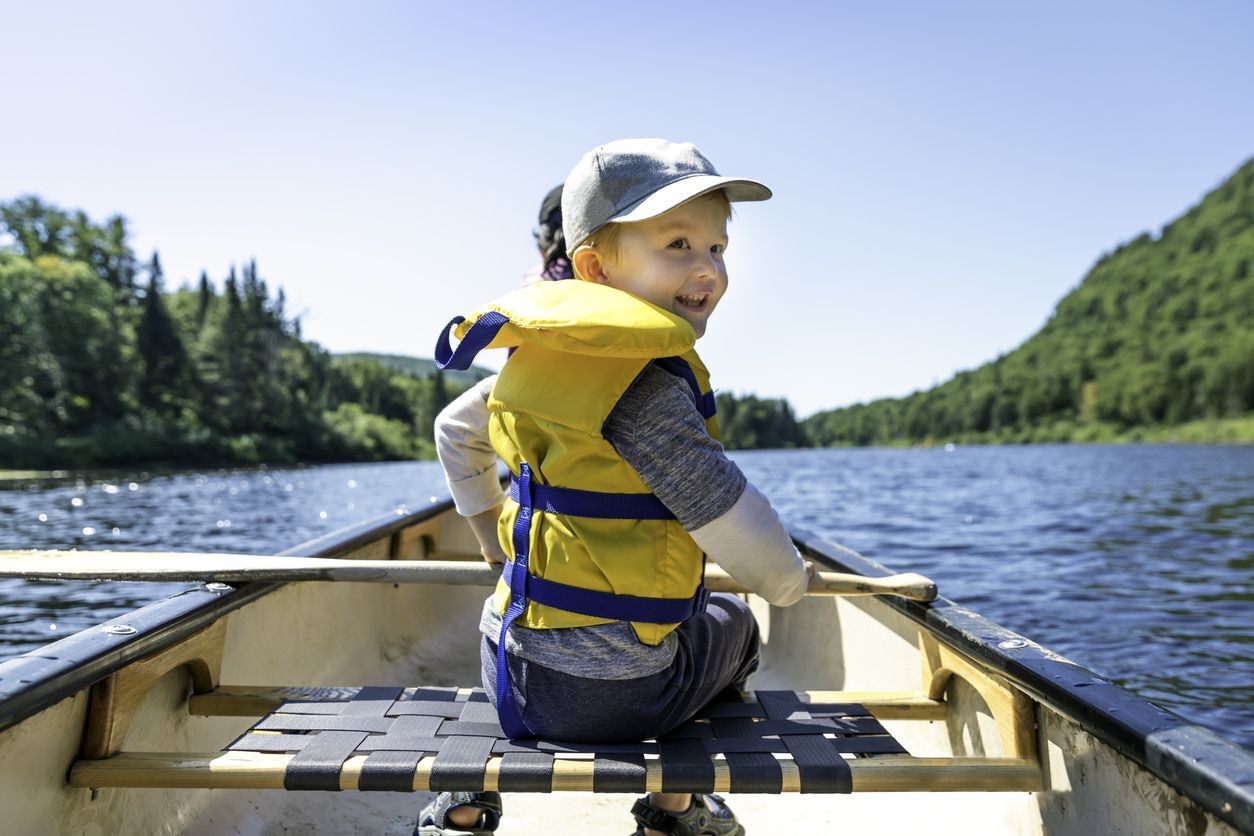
{"x":717,"y":649}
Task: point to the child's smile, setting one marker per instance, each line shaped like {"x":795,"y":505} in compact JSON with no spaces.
{"x":695,"y":302}
{"x":675,"y":260}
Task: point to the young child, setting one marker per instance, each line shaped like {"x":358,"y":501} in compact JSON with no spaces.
{"x":605,"y":416}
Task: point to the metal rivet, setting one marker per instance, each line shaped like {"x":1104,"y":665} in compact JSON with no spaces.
{"x":1012,"y":644}
{"x":218,"y":587}
{"x":119,"y":629}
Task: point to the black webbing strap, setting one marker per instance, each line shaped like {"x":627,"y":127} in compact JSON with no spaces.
{"x":749,"y":771}
{"x":685,"y":766}
{"x":479,"y":712}
{"x":526,"y":772}
{"x":618,"y":773}
{"x":408,"y":734}
{"x":373,"y":701}
{"x":318,"y":764}
{"x":325,"y":722}
{"x":460,"y":764}
{"x":819,"y":765}
{"x":428,"y":708}
{"x":389,"y":772}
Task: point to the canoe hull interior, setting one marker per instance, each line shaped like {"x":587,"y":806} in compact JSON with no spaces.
{"x":335,"y":634}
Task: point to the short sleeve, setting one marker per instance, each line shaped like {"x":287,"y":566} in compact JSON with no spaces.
{"x":657,"y":430}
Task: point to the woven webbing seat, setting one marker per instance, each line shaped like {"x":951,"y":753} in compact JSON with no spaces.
{"x":395,"y":729}
{"x":410,"y":739}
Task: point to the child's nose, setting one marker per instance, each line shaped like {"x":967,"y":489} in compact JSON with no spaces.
{"x":707,"y":265}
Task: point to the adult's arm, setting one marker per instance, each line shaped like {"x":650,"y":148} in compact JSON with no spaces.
{"x":469,"y":462}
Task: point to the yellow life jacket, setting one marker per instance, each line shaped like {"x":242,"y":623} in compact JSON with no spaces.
{"x":578,"y":347}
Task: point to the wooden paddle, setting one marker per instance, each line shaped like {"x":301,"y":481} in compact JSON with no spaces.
{"x":238,"y":568}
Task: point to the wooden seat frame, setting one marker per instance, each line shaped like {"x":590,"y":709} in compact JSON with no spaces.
{"x":115,"y":700}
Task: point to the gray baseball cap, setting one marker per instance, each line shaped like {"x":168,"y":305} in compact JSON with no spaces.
{"x":637,"y":179}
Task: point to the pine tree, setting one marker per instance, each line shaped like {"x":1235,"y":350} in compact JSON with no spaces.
{"x":204,"y":300}
{"x":162,"y":355}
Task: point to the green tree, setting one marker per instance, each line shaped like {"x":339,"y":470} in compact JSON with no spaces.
{"x":748,"y":423}
{"x":37,"y":228}
{"x":164,"y":384}
{"x":30,"y":376}
{"x":204,"y":299}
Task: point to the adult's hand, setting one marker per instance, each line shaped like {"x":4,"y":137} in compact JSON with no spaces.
{"x":484,"y":527}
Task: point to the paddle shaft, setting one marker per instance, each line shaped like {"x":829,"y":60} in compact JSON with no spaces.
{"x":235,"y":568}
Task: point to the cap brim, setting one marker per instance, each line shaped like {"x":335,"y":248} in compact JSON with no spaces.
{"x":690,"y":188}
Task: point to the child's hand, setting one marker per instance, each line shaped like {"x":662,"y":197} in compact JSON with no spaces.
{"x":809,"y":571}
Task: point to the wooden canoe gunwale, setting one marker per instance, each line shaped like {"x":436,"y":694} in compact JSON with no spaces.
{"x":1214,"y":773}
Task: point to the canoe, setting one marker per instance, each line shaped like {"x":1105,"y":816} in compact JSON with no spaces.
{"x":178,"y":718}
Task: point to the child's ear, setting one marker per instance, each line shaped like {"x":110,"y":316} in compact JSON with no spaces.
{"x":589,"y":266}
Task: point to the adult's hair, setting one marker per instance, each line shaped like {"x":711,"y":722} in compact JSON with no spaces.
{"x":549,"y":237}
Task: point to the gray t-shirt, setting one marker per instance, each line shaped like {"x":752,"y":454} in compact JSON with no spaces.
{"x":657,"y":430}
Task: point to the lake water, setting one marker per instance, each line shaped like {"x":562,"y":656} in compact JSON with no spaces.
{"x":1135,"y":561}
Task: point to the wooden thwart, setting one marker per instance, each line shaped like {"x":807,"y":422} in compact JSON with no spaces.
{"x":256,"y":700}
{"x":252,"y":770}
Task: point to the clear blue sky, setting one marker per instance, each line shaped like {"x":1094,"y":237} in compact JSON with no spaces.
{"x":944,"y":172}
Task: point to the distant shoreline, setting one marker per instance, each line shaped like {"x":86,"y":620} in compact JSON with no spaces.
{"x":13,"y":475}
{"x":1234,"y":431}
{"x":1239,"y":430}
{"x":1202,"y":431}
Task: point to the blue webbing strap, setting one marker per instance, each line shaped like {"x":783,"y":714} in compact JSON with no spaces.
{"x":603,"y":506}
{"x":511,"y":718}
{"x":476,"y":339}
{"x":608,"y":604}
{"x":678,"y":367}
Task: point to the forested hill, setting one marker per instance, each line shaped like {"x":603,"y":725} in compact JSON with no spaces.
{"x":1159,"y":333}
{"x":100,"y":364}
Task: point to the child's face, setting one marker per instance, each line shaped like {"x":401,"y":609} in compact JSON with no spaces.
{"x":675,"y":260}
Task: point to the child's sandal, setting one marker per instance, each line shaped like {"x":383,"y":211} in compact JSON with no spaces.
{"x":433,"y":820}
{"x":708,"y":815}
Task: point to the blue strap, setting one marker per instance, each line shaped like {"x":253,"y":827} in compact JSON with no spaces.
{"x":512,"y":722}
{"x":608,"y":604}
{"x":602,"y":506}
{"x":477,"y":338}
{"x":680,"y":368}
